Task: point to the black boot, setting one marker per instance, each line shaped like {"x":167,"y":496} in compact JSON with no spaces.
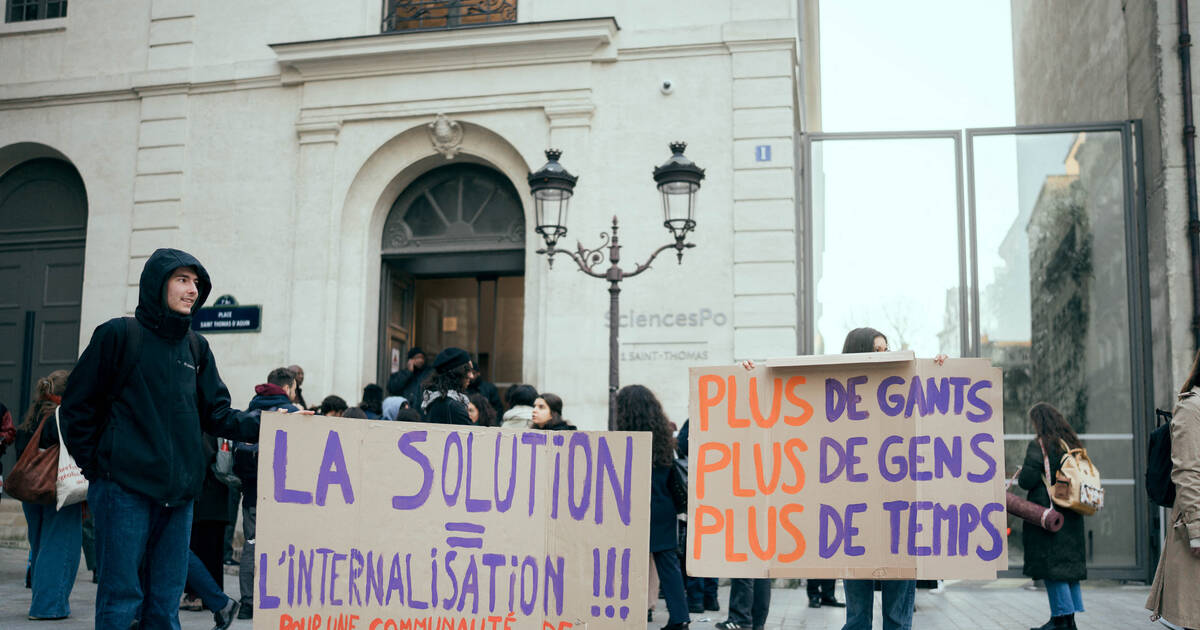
{"x":1055,"y":623}
{"x":1070,"y":622}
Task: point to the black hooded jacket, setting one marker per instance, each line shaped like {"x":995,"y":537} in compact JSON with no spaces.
{"x":149,"y":440}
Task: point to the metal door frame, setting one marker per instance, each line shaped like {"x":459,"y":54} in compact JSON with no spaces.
{"x":1137,"y":281}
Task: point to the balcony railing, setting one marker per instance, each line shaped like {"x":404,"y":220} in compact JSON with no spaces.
{"x":411,"y":15}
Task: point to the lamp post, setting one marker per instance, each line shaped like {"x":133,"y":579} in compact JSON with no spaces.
{"x":552,"y":186}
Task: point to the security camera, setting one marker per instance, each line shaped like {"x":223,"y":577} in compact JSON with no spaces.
{"x":667,"y":86}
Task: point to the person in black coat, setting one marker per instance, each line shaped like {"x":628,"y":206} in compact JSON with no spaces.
{"x":277,"y":394}
{"x":139,"y":442}
{"x":1056,"y":558}
{"x":638,"y":409}
{"x":444,"y":399}
{"x":411,"y":379}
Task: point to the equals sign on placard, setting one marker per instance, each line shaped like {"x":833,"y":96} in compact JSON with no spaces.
{"x":472,"y":542}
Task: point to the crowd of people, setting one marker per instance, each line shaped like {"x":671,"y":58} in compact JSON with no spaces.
{"x":145,"y":414}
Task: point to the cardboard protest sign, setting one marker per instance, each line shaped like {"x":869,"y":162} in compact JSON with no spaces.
{"x":854,"y":466}
{"x":406,"y":526}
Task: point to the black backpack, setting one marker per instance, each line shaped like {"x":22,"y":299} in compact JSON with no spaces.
{"x":1159,"y":486}
{"x":131,"y":349}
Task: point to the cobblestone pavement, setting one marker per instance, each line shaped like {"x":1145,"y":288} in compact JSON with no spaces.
{"x":998,"y":604}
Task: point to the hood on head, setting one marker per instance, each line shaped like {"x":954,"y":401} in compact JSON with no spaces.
{"x":152,"y":309}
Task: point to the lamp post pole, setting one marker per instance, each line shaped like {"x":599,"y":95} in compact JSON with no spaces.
{"x":588,"y":261}
{"x":552,"y":186}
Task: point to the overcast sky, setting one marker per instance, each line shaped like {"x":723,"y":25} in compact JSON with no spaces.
{"x":890,"y":220}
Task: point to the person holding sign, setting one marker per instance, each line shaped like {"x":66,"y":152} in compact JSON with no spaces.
{"x":137,"y":403}
{"x":898,"y":595}
{"x":1057,"y":558}
{"x":638,"y":409}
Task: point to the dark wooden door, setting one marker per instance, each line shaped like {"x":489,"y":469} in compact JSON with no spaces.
{"x":43,"y":221}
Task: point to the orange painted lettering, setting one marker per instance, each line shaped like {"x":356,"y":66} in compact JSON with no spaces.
{"x":731,"y":409}
{"x":702,"y":529}
{"x":706,"y":401}
{"x":738,"y":490}
{"x":776,"y":400}
{"x":703,"y":467}
{"x":776,"y":466}
{"x":789,"y":448}
{"x":791,"y":528}
{"x":730,"y":556}
{"x":769,"y":551}
{"x":806,"y":410}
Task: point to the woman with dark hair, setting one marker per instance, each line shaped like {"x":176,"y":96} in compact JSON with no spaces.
{"x":480,"y":411}
{"x":55,"y":536}
{"x":520,"y":399}
{"x":898,"y":595}
{"x":1173,"y":595}
{"x":372,"y":401}
{"x":1056,"y":558}
{"x":333,"y":406}
{"x":639,"y":410}
{"x":444,"y":400}
{"x":547,"y":414}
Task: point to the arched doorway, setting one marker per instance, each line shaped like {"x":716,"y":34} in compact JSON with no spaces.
{"x":453,"y":266}
{"x":43,"y":224}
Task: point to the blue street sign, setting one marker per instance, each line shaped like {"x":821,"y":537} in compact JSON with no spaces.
{"x":223,"y":319}
{"x":762,"y":153}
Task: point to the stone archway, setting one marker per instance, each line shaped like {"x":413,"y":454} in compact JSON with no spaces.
{"x":383,"y":176}
{"x":43,"y":226}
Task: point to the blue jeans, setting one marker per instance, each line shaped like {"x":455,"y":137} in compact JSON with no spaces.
{"x":749,"y":601}
{"x":200,"y":582}
{"x":132,"y":532}
{"x":54,"y":543}
{"x":1065,"y":597}
{"x":671,"y":578}
{"x":898,"y":596}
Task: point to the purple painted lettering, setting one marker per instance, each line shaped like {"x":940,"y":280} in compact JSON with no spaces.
{"x":977,"y":441}
{"x":622,"y":492}
{"x":915,"y":459}
{"x":984,"y":412}
{"x":914,"y":527}
{"x":579,"y":442}
{"x":891,"y":404}
{"x":894,"y":510}
{"x":406,"y":446}
{"x":333,"y":471}
{"x":282,"y":493}
{"x":898,"y":460}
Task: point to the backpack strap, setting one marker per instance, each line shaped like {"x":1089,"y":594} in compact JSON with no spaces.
{"x":130,"y":353}
{"x":197,"y":352}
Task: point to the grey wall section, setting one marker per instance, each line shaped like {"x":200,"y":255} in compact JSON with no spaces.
{"x":1102,"y":60}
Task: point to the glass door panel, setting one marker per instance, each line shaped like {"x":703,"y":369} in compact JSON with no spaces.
{"x":885,"y":248}
{"x":1049,"y":215}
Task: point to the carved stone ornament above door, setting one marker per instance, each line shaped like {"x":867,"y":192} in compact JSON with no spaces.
{"x":446,"y":136}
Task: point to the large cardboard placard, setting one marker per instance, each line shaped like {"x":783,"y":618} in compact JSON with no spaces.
{"x":406,"y":526}
{"x":847,"y":466}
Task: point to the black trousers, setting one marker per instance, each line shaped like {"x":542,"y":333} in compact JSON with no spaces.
{"x":820,"y":589}
{"x":208,"y":542}
{"x":749,"y":601}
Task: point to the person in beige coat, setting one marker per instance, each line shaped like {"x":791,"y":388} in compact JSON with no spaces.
{"x":1175,"y":594}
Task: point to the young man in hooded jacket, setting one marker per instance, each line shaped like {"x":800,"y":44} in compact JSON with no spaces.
{"x":277,"y":394}
{"x":139,"y":442}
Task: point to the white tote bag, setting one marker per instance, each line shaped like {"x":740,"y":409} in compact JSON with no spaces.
{"x":72,"y":486}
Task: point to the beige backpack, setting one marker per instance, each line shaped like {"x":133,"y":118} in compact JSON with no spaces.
{"x":1077,"y":484}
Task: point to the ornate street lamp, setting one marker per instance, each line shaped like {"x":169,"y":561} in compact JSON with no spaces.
{"x":552,"y":186}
